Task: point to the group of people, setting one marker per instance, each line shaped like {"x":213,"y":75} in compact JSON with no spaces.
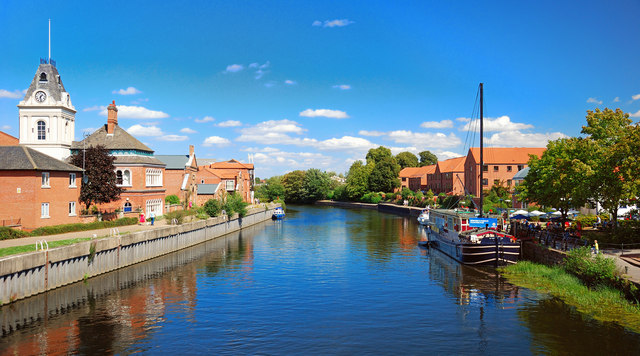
{"x":143,"y":218}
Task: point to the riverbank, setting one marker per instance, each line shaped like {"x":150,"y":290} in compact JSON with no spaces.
{"x":382,"y":207}
{"x":32,"y":273}
{"x":602,"y":303}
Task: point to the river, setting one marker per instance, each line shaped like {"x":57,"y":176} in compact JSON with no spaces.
{"x":323,"y":281}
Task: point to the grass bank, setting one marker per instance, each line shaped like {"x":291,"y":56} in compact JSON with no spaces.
{"x":31,"y":247}
{"x":601,"y":303}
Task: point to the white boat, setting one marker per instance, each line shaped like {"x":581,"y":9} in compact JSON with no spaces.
{"x":423,"y":219}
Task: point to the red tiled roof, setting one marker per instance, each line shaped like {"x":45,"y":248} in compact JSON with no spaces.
{"x":232,"y":164}
{"x":452,"y":165}
{"x":506,"y":155}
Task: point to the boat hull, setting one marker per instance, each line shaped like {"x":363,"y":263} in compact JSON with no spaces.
{"x":476,"y":254}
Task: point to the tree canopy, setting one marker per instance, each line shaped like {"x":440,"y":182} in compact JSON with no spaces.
{"x":316,"y":185}
{"x":357,"y":180}
{"x":427,"y":158}
{"x":294,"y":188}
{"x":407,"y":159}
{"x":101,"y":185}
{"x":271,"y":190}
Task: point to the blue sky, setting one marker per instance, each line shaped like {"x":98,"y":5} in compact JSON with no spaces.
{"x":301,"y":84}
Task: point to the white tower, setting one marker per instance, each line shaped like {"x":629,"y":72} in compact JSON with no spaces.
{"x":47,"y":117}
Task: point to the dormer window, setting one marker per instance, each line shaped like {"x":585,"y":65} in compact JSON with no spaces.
{"x":43,"y":77}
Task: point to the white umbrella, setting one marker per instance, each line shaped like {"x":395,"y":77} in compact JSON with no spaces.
{"x":520,"y":212}
{"x":536,"y":213}
{"x":555,"y":213}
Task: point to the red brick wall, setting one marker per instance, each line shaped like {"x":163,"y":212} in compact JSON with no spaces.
{"x":26,"y":204}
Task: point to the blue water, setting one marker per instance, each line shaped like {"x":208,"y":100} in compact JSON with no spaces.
{"x":323,"y":281}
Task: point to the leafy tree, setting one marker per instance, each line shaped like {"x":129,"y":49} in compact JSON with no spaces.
{"x":235,"y":204}
{"x":212,"y":207}
{"x":496,"y":198}
{"x":625,"y":152}
{"x":256,"y":180}
{"x":427,"y":158}
{"x":607,"y":130}
{"x":271,"y":190}
{"x":172,"y":199}
{"x":316,"y":184}
{"x":384,"y":175}
{"x":357,"y":180}
{"x":560,"y":178}
{"x":101,"y":185}
{"x":377,"y":154}
{"x":407,"y":159}
{"x":294,"y":189}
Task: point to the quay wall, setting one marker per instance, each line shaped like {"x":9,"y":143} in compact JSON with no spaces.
{"x":28,"y":274}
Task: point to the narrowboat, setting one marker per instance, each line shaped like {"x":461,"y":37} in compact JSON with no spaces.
{"x":278,"y":213}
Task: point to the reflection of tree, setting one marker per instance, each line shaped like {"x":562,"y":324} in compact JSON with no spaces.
{"x":378,"y":232}
{"x":561,"y":330}
{"x":233,"y":254}
{"x":97,"y":329}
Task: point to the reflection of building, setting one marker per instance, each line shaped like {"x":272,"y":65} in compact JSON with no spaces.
{"x":138,"y":172}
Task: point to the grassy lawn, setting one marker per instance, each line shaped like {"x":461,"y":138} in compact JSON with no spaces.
{"x":604,"y":304}
{"x":32,"y":247}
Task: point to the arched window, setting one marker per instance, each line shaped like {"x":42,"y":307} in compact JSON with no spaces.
{"x":126,"y":178}
{"x":42,"y":130}
{"x":127,"y":207}
{"x":119,"y":177}
{"x":43,"y":77}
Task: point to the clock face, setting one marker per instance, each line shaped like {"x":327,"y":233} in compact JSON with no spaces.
{"x":40,"y":96}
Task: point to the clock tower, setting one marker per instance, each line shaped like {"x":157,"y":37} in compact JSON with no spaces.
{"x":47,"y":117}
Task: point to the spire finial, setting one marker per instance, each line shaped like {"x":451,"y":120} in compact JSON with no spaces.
{"x":49,"y":40}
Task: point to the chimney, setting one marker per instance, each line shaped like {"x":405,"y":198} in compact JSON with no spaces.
{"x":190,"y":150}
{"x":112,"y":117}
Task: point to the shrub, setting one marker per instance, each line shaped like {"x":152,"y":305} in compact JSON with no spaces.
{"x":178,"y":215}
{"x":406,"y":193}
{"x":7,"y":233}
{"x":592,"y":270}
{"x":61,"y":229}
{"x":235,"y":204}
{"x":212,"y":207}
{"x":172,"y":199}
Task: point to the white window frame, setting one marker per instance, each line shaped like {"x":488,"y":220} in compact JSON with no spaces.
{"x":45,"y":180}
{"x":72,"y":180}
{"x":44,"y":210}
{"x":153,"y":205}
{"x":126,"y":177}
{"x":72,"y":208}
{"x":41,"y":134}
{"x":229,"y":185}
{"x":153,"y":177}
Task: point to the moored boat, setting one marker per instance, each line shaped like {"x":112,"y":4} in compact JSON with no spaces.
{"x":278,"y":214}
{"x":423,"y":219}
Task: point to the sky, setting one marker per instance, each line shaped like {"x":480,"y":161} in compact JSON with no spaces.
{"x":316,"y":84}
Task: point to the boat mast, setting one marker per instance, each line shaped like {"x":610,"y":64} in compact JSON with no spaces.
{"x":481,"y":151}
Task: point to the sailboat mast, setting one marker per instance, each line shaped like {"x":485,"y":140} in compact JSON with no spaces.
{"x":481,"y":150}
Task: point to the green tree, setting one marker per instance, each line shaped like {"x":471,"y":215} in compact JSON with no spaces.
{"x":427,"y":158}
{"x":101,"y":185}
{"x":560,"y":178}
{"x":377,"y":154}
{"x":271,"y":190}
{"x":497,"y":198}
{"x":172,"y":199}
{"x":357,"y":180}
{"x":625,"y":152}
{"x":294,"y":189}
{"x":212,"y":207}
{"x":407,"y":159}
{"x":384,"y":175}
{"x":607,"y":130}
{"x":316,"y":185}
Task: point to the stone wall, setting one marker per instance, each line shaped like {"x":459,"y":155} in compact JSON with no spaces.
{"x":542,"y":254}
{"x":31,"y":273}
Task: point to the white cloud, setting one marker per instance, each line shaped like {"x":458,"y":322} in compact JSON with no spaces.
{"x":424,"y":139}
{"x":139,"y":130}
{"x":232,"y":68}
{"x":520,"y":139}
{"x":444,"y":124}
{"x":333,"y":114}
{"x":444,"y":155}
{"x":139,"y":101}
{"x":616,"y":99}
{"x":230,"y":123}
{"x":502,"y":123}
{"x":301,"y":160}
{"x":345,"y":143}
{"x":290,"y":82}
{"x":205,"y":119}
{"x":636,"y":114}
{"x":173,"y":138}
{"x":333,"y":23}
{"x":635,"y":97}
{"x":16,"y":94}
{"x":594,"y":101}
{"x":188,"y":130}
{"x":94,"y":108}
{"x":6,"y":127}
{"x":342,"y":86}
{"x":272,"y":132}
{"x":371,"y":133}
{"x":261,"y":69}
{"x":135,"y":112}
{"x":128,"y":91}
{"x":215,"y":140}
{"x":269,"y":84}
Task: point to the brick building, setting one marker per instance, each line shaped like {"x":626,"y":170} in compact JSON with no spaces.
{"x":225,"y":177}
{"x":180,"y":175}
{"x":416,"y":178}
{"x":138,"y":172}
{"x":500,"y":165}
{"x":36,"y":189}
{"x":449,"y":176}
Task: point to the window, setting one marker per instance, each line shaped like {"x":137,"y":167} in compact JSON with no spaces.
{"x":495,"y":168}
{"x":404,"y":179}
{"x":229,"y":185}
{"x":496,"y":182}
{"x":508,"y":182}
{"x":119,"y":177}
{"x":485,"y":168}
{"x":72,"y":208}
{"x":509,"y":169}
{"x":154,"y":206}
{"x":72,"y":180}
{"x":42,"y":130}
{"x":485,"y":181}
{"x":126,"y":178}
{"x":43,"y":77}
{"x":202,"y":181}
{"x":154,"y":177}
{"x":44,"y":210}
{"x":127,"y":207}
{"x":520,"y":167}
{"x":45,"y":180}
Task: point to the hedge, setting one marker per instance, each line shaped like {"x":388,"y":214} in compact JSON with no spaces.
{"x":61,"y":229}
{"x":7,"y":233}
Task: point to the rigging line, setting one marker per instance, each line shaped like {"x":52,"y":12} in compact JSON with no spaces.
{"x":470,"y":125}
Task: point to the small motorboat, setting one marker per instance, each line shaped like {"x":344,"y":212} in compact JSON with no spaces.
{"x":423,"y":219}
{"x":278,"y":214}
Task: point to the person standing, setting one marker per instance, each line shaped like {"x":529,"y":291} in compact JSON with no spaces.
{"x":152,"y":216}
{"x":596,"y":248}
{"x":142,"y":219}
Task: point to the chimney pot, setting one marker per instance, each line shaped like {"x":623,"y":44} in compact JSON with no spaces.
{"x":112,"y":117}
{"x":190,"y":150}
